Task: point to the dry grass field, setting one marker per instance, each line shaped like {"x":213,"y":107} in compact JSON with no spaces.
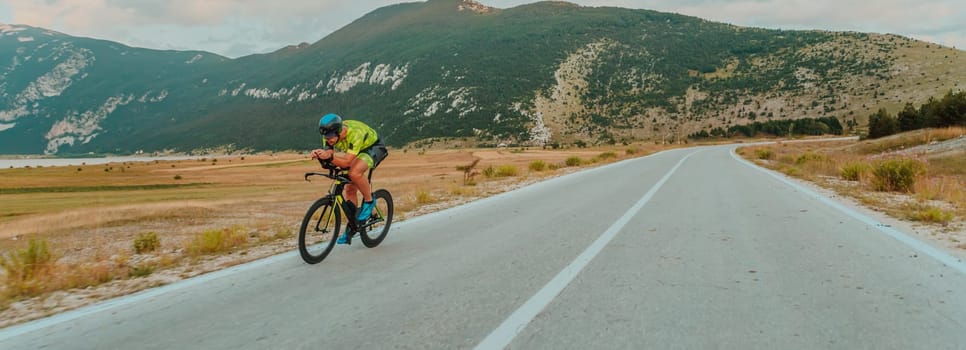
{"x":917,"y":176}
{"x":70,"y":236}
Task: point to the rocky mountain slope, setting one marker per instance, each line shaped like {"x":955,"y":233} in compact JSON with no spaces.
{"x":549,"y":73}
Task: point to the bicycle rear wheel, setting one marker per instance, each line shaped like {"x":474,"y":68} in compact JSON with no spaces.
{"x":319,"y":230}
{"x":377,"y":226}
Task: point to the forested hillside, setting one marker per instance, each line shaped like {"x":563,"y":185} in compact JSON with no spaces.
{"x":549,"y":73}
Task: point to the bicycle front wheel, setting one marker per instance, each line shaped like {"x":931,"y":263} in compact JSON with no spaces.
{"x":319,"y":230}
{"x":376,"y":227}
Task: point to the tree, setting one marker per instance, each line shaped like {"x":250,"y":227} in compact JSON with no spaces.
{"x":882,"y":124}
{"x":909,"y":118}
{"x":930,"y":113}
{"x":952,"y":109}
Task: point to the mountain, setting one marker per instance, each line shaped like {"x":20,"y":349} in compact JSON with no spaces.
{"x":537,"y":74}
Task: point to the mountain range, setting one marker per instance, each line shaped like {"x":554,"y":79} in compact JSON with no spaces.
{"x":458,"y":72}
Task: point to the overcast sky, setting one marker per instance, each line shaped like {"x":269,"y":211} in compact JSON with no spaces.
{"x":240,"y":27}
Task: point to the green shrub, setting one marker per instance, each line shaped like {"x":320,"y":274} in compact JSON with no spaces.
{"x":217,"y":240}
{"x":791,"y":171}
{"x":607,"y":155}
{"x":854,"y":171}
{"x":507,"y":171}
{"x":24,"y":263}
{"x":809,"y":157}
{"x":574,"y":161}
{"x":932,"y":214}
{"x":897,"y":174}
{"x":489,"y":171}
{"x":538,"y":165}
{"x":146,"y":242}
{"x":764,"y":153}
{"x":25,"y":268}
{"x":142,"y":270}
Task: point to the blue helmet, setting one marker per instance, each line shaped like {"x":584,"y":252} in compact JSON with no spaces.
{"x":330,"y":125}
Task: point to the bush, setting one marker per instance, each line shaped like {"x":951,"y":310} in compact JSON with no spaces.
{"x":574,"y":161}
{"x":142,"y":270}
{"x":854,"y":171}
{"x":809,"y":157}
{"x":607,"y":155}
{"x":507,"y":170}
{"x":214,"y":241}
{"x":538,"y":165}
{"x":897,"y":174}
{"x":786,"y":159}
{"x":791,"y":171}
{"x":932,"y":214}
{"x":764,"y":153}
{"x":146,"y":242}
{"x":489,"y":171}
{"x":25,"y":267}
{"x":423,"y":197}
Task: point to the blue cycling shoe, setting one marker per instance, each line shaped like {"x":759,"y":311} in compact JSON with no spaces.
{"x":344,"y":238}
{"x":365,"y":211}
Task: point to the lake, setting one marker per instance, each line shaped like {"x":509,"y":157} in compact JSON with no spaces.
{"x":11,"y":162}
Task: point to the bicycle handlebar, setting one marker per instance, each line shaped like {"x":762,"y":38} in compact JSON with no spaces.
{"x":335,"y":173}
{"x":327,"y":164}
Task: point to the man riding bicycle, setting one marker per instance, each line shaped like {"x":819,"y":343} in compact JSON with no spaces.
{"x":363,"y":151}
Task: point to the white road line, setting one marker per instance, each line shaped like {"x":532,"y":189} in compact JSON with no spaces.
{"x":511,"y":327}
{"x":916,"y":244}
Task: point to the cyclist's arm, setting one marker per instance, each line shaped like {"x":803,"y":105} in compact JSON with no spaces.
{"x":343,"y":161}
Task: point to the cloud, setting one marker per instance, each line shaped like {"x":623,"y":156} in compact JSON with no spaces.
{"x":914,"y":18}
{"x":187,"y":24}
{"x":941,"y":21}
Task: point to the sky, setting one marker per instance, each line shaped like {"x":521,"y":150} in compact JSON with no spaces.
{"x":235,"y":28}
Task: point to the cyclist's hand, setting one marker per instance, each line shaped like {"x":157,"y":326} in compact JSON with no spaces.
{"x":322,"y":154}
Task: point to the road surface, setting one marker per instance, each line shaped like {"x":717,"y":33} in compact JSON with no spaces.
{"x":684,"y":249}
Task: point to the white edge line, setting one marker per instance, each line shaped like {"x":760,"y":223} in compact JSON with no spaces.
{"x":908,"y":240}
{"x":519,"y":319}
{"x":49,"y":321}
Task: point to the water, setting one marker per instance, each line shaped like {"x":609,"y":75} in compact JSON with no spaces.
{"x":6,"y":163}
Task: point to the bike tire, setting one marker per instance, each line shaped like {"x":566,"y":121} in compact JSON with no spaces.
{"x":319,"y":231}
{"x":373,"y":234}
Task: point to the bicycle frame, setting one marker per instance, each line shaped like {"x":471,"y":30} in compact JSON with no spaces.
{"x":335,"y":192}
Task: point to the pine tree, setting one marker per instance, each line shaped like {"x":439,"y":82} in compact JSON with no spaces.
{"x":882,"y":124}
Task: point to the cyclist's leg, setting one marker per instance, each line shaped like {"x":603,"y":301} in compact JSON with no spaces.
{"x":350,"y":193}
{"x":357,"y":173}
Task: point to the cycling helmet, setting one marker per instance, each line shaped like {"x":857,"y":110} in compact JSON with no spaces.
{"x":330,"y":125}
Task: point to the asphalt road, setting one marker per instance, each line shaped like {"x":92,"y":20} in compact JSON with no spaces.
{"x":684,"y":249}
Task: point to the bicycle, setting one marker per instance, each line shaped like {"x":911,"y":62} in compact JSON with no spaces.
{"x":317,"y":237}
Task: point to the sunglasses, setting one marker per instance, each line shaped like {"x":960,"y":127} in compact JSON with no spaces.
{"x":328,"y":132}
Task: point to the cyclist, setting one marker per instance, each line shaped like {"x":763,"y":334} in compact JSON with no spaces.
{"x":363,"y":151}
